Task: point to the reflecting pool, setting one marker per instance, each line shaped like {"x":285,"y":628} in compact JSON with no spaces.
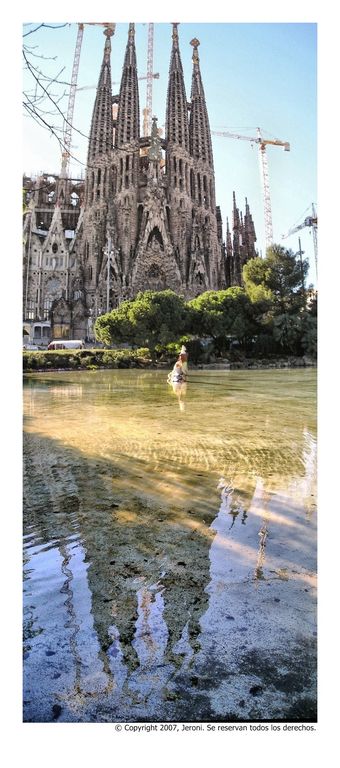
{"x":169,"y":546}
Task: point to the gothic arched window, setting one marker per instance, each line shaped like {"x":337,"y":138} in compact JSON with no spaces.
{"x":192,"y":184}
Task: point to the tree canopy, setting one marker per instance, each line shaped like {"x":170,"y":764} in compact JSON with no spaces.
{"x":153,"y":317}
{"x":279,"y":278}
{"x":224,"y":313}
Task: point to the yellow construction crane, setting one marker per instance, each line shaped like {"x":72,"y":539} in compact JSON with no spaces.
{"x":262,"y":143}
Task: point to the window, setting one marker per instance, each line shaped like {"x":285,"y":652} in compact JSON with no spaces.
{"x":192,"y":184}
{"x":47,"y":308}
{"x":30,"y":310}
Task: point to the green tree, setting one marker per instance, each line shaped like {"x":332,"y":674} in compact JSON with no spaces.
{"x":207,"y":314}
{"x":309,"y":338}
{"x":287,"y":331}
{"x":279,"y":278}
{"x":152,"y":318}
{"x":240,"y":314}
{"x":223,"y":313}
{"x":116,"y":326}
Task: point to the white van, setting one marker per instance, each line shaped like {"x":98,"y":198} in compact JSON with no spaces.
{"x":72,"y":344}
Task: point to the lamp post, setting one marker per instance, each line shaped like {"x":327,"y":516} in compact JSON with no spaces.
{"x":300,"y":254}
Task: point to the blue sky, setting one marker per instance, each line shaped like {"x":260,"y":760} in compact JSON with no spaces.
{"x":254,"y":74}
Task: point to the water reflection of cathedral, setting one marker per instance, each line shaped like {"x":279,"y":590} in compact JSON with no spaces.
{"x":137,"y":595}
{"x":144,"y":217}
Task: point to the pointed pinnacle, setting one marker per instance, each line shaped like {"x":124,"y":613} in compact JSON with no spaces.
{"x":175,"y":31}
{"x":195,"y":43}
{"x":109,"y":30}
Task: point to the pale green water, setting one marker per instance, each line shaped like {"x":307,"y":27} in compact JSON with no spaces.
{"x":121,"y":489}
{"x":237,"y":422}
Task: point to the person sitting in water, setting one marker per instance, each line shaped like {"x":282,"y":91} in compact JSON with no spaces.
{"x":177,"y":374}
{"x":177,"y":380}
{"x":183,"y":359}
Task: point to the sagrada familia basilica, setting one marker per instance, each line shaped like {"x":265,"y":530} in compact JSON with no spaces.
{"x":145,"y":217}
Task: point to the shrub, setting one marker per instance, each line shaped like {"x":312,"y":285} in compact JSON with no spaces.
{"x":85,"y":359}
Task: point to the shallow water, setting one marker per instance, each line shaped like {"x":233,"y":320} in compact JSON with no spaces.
{"x":154,"y":522}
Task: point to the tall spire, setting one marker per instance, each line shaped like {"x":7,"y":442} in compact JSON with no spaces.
{"x":249,"y":234}
{"x":228,"y":257}
{"x":177,"y":127}
{"x":236,"y":214}
{"x":155,"y":152}
{"x":199,"y":129}
{"x":127,"y":128}
{"x":236,"y":268}
{"x":229,"y":246}
{"x":101,"y":132}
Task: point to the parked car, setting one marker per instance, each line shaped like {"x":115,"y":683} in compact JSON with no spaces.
{"x":30,"y":347}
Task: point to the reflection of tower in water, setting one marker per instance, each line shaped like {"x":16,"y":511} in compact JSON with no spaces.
{"x":92,"y":672}
{"x":151,"y":633}
{"x":263,"y":533}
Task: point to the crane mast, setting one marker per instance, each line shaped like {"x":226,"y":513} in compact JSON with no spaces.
{"x":147,"y":112}
{"x":70,"y":108}
{"x":268,"y":219}
{"x":315,"y":237}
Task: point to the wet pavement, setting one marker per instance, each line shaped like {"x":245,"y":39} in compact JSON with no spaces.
{"x":170,"y":547}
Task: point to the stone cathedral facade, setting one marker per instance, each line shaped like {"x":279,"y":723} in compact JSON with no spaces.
{"x":145,"y":217}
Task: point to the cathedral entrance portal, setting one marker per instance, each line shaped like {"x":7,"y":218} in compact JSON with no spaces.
{"x":156,"y":279}
{"x":155,"y":274}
